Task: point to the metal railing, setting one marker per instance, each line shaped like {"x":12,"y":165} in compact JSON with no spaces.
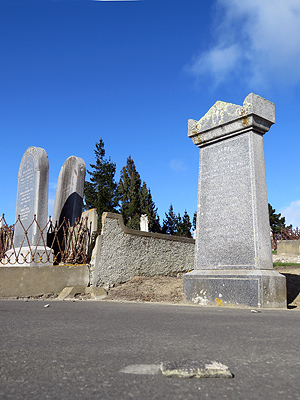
{"x":63,"y":244}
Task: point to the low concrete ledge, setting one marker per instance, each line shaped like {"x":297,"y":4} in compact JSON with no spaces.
{"x":40,"y":280}
{"x":288,"y":247}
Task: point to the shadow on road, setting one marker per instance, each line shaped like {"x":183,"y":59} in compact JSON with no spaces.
{"x":292,"y":289}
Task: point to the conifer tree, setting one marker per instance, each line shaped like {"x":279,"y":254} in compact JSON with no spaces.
{"x":176,"y":225}
{"x":277,"y":222}
{"x":136,"y":199}
{"x":184,"y":225}
{"x":101,"y":191}
{"x":148,"y":207}
{"x":129,"y":191}
{"x":170,"y":222}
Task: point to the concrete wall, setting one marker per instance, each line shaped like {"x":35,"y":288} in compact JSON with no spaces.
{"x":288,"y":246}
{"x":121,"y":253}
{"x":35,"y":281}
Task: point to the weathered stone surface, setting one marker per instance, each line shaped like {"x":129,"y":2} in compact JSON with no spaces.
{"x":233,"y":231}
{"x":32,"y":196}
{"x":69,"y":192}
{"x":92,"y":219}
{"x":30,"y":233}
{"x":121,"y":253}
{"x":235,"y":288}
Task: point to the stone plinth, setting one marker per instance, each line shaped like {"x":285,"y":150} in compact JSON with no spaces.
{"x":233,"y":255}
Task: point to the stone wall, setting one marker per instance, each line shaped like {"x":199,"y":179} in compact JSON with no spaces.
{"x":121,"y":253}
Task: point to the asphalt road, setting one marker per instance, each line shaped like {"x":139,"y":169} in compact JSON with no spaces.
{"x":76,"y":350}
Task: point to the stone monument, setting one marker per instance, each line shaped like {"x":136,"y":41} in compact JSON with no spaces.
{"x":29,"y":242}
{"x":144,"y":223}
{"x":233,"y":256}
{"x":69,"y":192}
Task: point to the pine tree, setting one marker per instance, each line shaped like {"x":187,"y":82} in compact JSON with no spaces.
{"x":148,"y":207}
{"x":129,"y":190}
{"x":277,"y":222}
{"x":176,"y":225}
{"x":184,"y":225}
{"x":101,"y":191}
{"x":170,"y":222}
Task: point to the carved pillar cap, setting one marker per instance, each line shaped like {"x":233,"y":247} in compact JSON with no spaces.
{"x":227,"y":119}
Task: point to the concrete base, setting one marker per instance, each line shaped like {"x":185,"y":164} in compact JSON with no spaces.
{"x":235,"y":288}
{"x":288,"y":246}
{"x":35,"y":281}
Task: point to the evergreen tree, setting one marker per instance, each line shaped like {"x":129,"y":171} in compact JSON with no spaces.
{"x":101,"y":191}
{"x":129,"y":190}
{"x":148,"y":207}
{"x":277,"y":222}
{"x":170,"y":222}
{"x":136,"y":199}
{"x":176,"y":225}
{"x":184,"y":225}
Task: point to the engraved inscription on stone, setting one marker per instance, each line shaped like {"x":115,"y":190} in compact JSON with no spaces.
{"x":26,"y":190}
{"x":225,"y":212}
{"x":32,"y":197}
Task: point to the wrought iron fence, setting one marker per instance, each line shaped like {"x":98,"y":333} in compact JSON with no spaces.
{"x":63,"y":244}
{"x":285,"y":234}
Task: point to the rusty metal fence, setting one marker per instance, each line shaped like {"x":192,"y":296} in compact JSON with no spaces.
{"x":64,"y":244}
{"x":285,"y":234}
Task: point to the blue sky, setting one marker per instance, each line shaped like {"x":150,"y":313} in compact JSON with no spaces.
{"x":133,"y":73}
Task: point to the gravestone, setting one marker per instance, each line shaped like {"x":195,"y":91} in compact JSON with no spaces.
{"x":233,"y":256}
{"x":69,"y":191}
{"x":31,"y":211}
{"x":144,"y":223}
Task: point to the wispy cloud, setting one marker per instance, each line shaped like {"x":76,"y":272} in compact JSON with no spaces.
{"x":292,"y":213}
{"x":260,"y":37}
{"x":52,"y":185}
{"x":178,"y":165}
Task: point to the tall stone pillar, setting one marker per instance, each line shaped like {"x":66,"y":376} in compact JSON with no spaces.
{"x":233,"y":255}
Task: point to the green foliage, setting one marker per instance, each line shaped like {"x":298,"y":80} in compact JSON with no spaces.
{"x":148,"y":207}
{"x":176,"y":225}
{"x":170,"y":222}
{"x":101,"y":191}
{"x":136,"y":199}
{"x":184,"y":225}
{"x":277,"y":222}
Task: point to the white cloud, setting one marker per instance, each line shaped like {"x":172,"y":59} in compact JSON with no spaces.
{"x":292,"y":213}
{"x":52,"y":185}
{"x":262,"y":37}
{"x":178,"y":165}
